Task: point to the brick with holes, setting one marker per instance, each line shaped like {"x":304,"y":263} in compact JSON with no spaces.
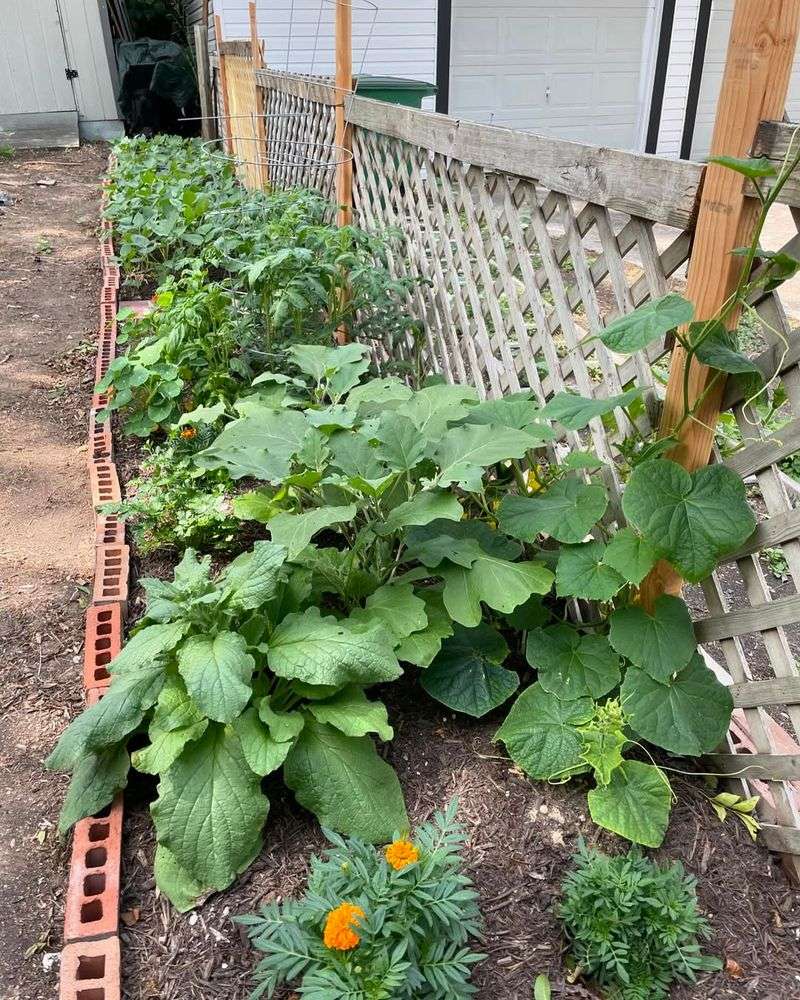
{"x":109,"y":530}
{"x":103,"y":642}
{"x":100,"y":441}
{"x":90,"y":970}
{"x":111,"y":568}
{"x":104,"y":483}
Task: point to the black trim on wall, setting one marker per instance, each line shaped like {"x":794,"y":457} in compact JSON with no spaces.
{"x":444,"y":24}
{"x":695,"y":78}
{"x":660,"y":76}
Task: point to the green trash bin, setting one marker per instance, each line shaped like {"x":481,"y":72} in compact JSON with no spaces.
{"x":394,"y":90}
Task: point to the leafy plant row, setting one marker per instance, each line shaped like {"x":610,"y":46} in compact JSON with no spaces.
{"x":410,"y":525}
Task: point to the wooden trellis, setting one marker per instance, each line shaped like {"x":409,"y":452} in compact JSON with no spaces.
{"x":528,"y":246}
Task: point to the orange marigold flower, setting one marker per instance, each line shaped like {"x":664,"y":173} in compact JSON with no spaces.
{"x":188,"y":433}
{"x":339,"y":933}
{"x":401,"y":853}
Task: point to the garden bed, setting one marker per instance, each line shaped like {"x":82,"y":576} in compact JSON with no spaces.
{"x":464,"y":569}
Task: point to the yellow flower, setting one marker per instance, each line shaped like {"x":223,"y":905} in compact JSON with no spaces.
{"x":188,"y":433}
{"x":339,"y":933}
{"x":532,"y":481}
{"x":401,"y":853}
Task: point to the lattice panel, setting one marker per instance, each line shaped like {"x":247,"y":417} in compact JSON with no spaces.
{"x":245,"y":124}
{"x":518,"y":277}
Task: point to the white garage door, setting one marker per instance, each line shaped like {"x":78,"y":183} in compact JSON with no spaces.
{"x":576,"y":71}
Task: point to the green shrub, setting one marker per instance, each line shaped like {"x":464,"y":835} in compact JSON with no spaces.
{"x":388,"y":926}
{"x":632,"y":925}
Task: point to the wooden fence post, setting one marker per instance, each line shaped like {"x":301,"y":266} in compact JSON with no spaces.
{"x":754,"y":86}
{"x":223,"y":86}
{"x":203,"y":80}
{"x":257,"y":51}
{"x":344,"y":85}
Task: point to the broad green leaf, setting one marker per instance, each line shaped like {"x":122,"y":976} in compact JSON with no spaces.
{"x":178,"y":886}
{"x":661,"y":643}
{"x":343,"y":781}
{"x":512,"y":411}
{"x":691,"y":520}
{"x":321,"y":650}
{"x":217,"y":671}
{"x":464,"y":452}
{"x":147,"y":645}
{"x":260,"y":445}
{"x":718,"y":350}
{"x":566,"y":511}
{"x":577,"y":460}
{"x":165,"y":746}
{"x":501,"y":584}
{"x":430,"y":505}
{"x":433,"y":407}
{"x":634,"y":804}
{"x":355,"y":458}
{"x":397,"y":607}
{"x":602,"y":751}
{"x":263,"y":753}
{"x":421,"y":647}
{"x":331,"y":418}
{"x":95,"y":781}
{"x":753,"y":168}
{"x":431,"y":544}
{"x":323,"y":363}
{"x":193,"y":572}
{"x":532,"y":614}
{"x":574,"y":412}
{"x":351,"y":712}
{"x":582,"y":572}
{"x":254,"y":577}
{"x":203,"y":415}
{"x":630,"y":555}
{"x":571,"y":665}
{"x":111,"y":719}
{"x":467,"y":675}
{"x":210,"y":811}
{"x":400,"y":444}
{"x":282,"y":725}
{"x":688,"y":716}
{"x":635,"y":330}
{"x":541,"y":735}
{"x":295,"y":531}
{"x":174,"y":708}
{"x":258,"y":505}
{"x":377,"y":394}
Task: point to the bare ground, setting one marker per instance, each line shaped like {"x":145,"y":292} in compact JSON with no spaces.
{"x":49,"y":289}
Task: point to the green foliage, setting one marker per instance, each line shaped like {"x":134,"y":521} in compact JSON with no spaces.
{"x":233,"y":676}
{"x":170,"y":506}
{"x":633,"y":926}
{"x":412,"y":940}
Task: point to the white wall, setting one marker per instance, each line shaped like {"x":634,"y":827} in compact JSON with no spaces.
{"x":89,"y":52}
{"x":400,"y":41}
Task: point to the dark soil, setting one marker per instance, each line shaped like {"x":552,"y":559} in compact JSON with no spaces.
{"x":49,"y":293}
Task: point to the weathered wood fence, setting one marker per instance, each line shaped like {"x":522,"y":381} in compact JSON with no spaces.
{"x":527,"y":247}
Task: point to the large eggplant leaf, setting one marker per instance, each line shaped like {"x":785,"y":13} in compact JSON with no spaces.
{"x":501,"y":584}
{"x":574,"y":412}
{"x":430,"y":505}
{"x":295,"y":531}
{"x":261,"y":444}
{"x":464,"y":452}
{"x":343,"y":781}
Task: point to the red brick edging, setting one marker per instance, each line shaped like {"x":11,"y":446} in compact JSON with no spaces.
{"x":90,"y":959}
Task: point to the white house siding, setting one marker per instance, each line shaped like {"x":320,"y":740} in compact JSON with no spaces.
{"x":679,"y":67}
{"x":300,"y":35}
{"x":90,"y":53}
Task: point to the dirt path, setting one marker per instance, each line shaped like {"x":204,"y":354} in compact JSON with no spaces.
{"x":49,"y":289}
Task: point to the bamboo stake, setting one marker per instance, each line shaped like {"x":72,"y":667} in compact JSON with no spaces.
{"x":257,"y":49}
{"x":223,"y":83}
{"x":754,"y":86}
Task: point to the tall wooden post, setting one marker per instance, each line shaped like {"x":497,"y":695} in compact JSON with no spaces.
{"x":344,"y":86}
{"x":223,"y":86}
{"x":203,"y":80}
{"x":257,"y":53}
{"x":754,"y":86}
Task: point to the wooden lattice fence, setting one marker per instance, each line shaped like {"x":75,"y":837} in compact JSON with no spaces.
{"x":528,"y":246}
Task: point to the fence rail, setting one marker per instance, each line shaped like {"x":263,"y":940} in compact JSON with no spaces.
{"x":527,"y":247}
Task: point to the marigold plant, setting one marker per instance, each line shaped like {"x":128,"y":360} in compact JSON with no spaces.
{"x":394,"y":924}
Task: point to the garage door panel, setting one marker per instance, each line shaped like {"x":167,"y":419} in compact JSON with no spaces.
{"x":573,"y":72}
